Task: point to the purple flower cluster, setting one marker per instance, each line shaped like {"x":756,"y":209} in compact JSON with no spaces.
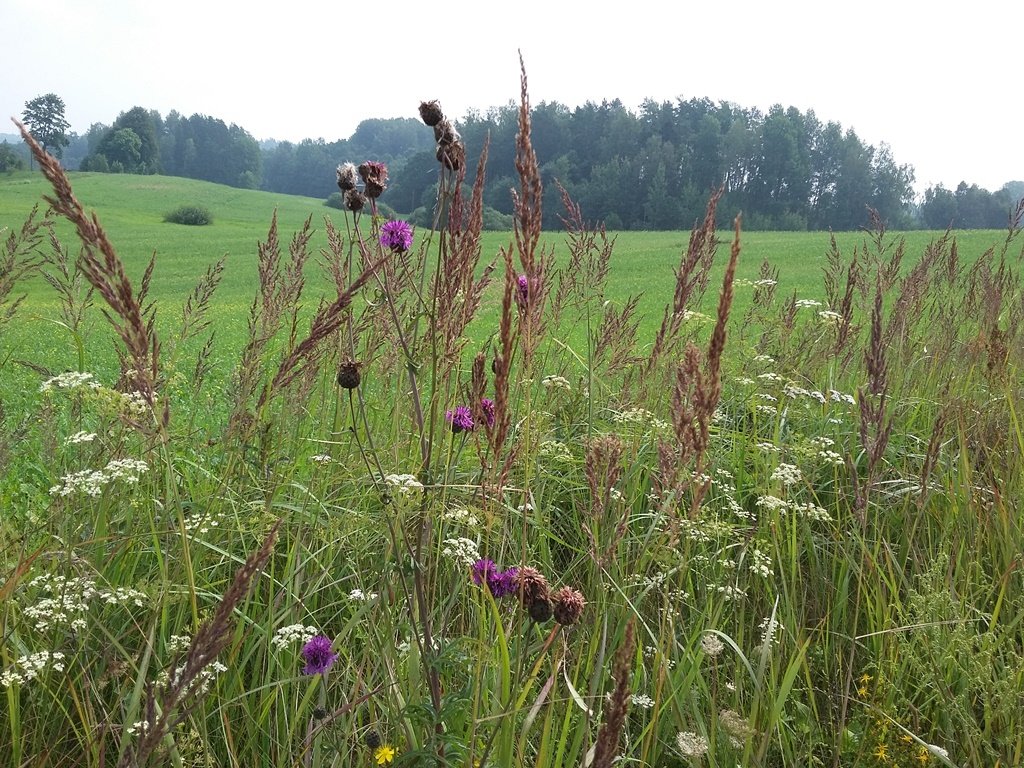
{"x":487,"y":406}
{"x":500,"y":583}
{"x":522,"y":291}
{"x":396,"y":235}
{"x":461,"y":419}
{"x":318,"y":655}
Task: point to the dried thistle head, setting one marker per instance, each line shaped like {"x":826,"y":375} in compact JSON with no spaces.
{"x":452,"y":156}
{"x":445,"y":133}
{"x":348,"y":374}
{"x":375,"y":178}
{"x":430,"y":112}
{"x":532,"y":586}
{"x":568,"y":605}
{"x":540,"y":610}
{"x":347,"y":177}
{"x":354,"y":200}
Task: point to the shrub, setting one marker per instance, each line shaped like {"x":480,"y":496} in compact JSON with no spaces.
{"x":193,"y":215}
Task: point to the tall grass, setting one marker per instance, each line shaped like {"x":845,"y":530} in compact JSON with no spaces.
{"x":784,"y":534}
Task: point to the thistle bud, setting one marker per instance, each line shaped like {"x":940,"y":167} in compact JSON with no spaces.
{"x":348,"y":374}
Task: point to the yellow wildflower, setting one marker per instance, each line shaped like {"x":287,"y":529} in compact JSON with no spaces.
{"x":881,"y":752}
{"x":384,"y":754}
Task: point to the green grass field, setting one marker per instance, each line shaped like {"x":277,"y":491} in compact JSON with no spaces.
{"x":132,"y":208}
{"x":774,"y":536}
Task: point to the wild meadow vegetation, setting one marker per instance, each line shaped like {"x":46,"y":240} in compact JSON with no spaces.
{"x":480,"y":506}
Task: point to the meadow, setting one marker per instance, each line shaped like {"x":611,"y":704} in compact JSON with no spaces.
{"x":355,"y":497}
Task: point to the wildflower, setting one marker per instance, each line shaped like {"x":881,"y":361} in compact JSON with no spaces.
{"x":80,"y":437}
{"x":461,"y":550}
{"x":404,"y":484}
{"x":357,"y":595}
{"x":735,"y":724}
{"x":522,"y":291}
{"x":396,"y":235}
{"x":483,"y":571}
{"x":317,"y":655}
{"x":691,"y":744}
{"x":29,"y":667}
{"x":568,"y":605}
{"x":532,"y":585}
{"x":320,"y":458}
{"x":769,"y":627}
{"x":375,"y":178}
{"x":711,"y":644}
{"x":487,"y":406}
{"x":452,"y":155}
{"x":461,"y":419}
{"x":354,"y":200}
{"x":787,"y":474}
{"x":504,"y":583}
{"x":347,"y":177}
{"x":430,"y":112}
{"x":348,"y":374}
{"x":70,"y":380}
{"x":642,"y":700}
{"x":556,"y":382}
{"x":541,"y":609}
{"x":881,"y":752}
{"x":384,"y":754}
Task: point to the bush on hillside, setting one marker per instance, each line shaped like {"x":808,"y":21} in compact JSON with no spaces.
{"x":192,"y":215}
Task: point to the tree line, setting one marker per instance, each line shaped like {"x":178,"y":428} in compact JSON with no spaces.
{"x":650,"y":169}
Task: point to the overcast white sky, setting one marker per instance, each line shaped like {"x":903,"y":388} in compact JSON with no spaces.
{"x":941,"y":83}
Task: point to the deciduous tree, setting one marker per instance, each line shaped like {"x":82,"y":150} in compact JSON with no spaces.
{"x":44,"y":118}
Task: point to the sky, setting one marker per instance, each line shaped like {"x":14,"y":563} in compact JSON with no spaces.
{"x":939,"y":83}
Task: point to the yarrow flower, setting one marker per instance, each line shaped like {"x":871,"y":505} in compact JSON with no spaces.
{"x":461,"y":419}
{"x":396,"y":235}
{"x":691,"y":744}
{"x":286,"y":636}
{"x":318,"y":655}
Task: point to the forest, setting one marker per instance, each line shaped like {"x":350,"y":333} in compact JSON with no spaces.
{"x":651,"y":169}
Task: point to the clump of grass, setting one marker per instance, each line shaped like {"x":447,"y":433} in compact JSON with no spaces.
{"x":190,"y":215}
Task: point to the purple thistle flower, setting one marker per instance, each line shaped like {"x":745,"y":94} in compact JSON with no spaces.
{"x":503,"y":583}
{"x":483,"y":571}
{"x":317,"y":655}
{"x":487,"y":406}
{"x":523,"y":291}
{"x":461,"y":419}
{"x":396,"y":235}
{"x":500,"y":583}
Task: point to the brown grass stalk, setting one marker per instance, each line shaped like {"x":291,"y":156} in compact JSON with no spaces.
{"x":614,"y":719}
{"x":185,"y":681}
{"x":105,"y":271}
{"x":691,"y":278}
